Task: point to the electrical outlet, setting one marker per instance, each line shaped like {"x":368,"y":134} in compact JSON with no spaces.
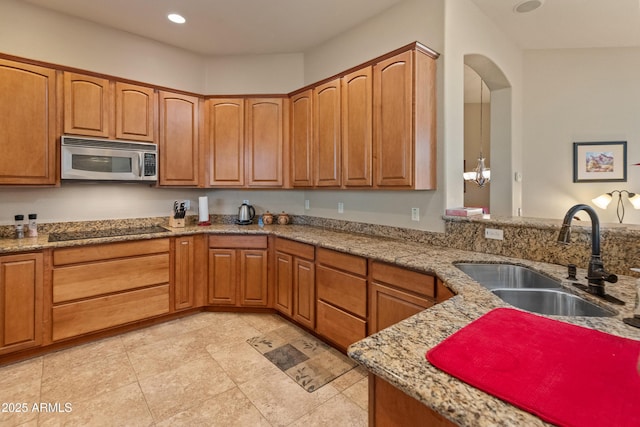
{"x":245,"y":202}
{"x":492,"y":233}
{"x":187,"y":204}
{"x":306,"y":204}
{"x":340,"y":207}
{"x":415,"y":214}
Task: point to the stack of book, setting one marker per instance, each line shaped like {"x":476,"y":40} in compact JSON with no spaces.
{"x":464,"y":211}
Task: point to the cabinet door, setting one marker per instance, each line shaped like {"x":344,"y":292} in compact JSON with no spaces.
{"x":265,"y":143}
{"x":302,"y":139}
{"x":87,"y":105}
{"x":21,"y":278}
{"x":326,"y":102}
{"x":27,"y":124}
{"x":183,"y":290}
{"x":135,"y":112}
{"x":284,"y":284}
{"x":253,"y":277}
{"x":179,"y":139}
{"x":304,"y":293}
{"x":388,"y":306}
{"x":357,"y":128}
{"x":225,"y":142}
{"x":223,"y":276}
{"x":393,"y":112}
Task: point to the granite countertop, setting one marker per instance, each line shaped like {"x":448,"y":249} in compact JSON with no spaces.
{"x":397,"y":354}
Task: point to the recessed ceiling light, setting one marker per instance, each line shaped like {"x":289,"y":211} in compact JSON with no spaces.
{"x":527,"y":6}
{"x":178,"y":19}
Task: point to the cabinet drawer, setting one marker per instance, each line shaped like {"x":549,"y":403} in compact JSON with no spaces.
{"x":88,"y":280}
{"x":339,"y":326}
{"x":342,"y":289}
{"x":109,"y":251}
{"x":351,"y":263}
{"x":301,"y":250}
{"x":408,"y":280}
{"x":242,"y":242}
{"x":82,"y":317}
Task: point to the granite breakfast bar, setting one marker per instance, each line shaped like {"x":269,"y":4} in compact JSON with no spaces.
{"x":397,"y":354}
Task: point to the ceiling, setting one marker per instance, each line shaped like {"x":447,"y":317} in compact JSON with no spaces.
{"x":240,"y":27}
{"x":227,"y":27}
{"x":568,"y":23}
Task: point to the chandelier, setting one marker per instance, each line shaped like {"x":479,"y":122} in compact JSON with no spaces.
{"x":481,"y":174}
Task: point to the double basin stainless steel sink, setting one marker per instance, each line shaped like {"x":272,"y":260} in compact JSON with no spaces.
{"x":531,"y":291}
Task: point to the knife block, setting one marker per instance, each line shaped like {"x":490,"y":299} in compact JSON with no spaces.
{"x":176,"y":222}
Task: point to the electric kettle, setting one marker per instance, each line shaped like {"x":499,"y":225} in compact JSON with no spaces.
{"x":246,"y":213}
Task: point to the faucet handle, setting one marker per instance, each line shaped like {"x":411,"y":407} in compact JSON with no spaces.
{"x":610,"y":277}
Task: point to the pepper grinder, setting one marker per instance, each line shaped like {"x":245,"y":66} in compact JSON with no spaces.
{"x":19,"y":226}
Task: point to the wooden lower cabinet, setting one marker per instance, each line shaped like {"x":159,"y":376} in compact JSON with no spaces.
{"x":77,"y":318}
{"x":103,"y":286}
{"x":390,"y":407}
{"x":238,"y":271}
{"x":184,"y":273}
{"x":304,"y":292}
{"x":396,"y":293}
{"x":341,"y":286}
{"x":21,"y":303}
{"x":295,"y":295}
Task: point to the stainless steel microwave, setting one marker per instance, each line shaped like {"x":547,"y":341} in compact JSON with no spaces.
{"x":92,"y":159}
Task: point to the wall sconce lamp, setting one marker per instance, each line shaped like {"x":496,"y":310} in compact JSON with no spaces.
{"x":603,"y":200}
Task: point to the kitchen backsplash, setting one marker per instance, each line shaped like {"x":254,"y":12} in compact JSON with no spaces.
{"x":526,"y":238}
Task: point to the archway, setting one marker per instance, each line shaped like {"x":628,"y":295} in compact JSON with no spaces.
{"x":499,"y":148}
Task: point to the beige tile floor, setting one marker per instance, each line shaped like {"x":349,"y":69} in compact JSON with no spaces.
{"x":194,"y":371}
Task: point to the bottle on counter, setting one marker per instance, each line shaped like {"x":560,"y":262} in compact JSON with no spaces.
{"x":33,"y":225}
{"x":19,"y":226}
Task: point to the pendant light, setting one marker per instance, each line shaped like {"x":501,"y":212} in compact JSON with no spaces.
{"x":481,"y":174}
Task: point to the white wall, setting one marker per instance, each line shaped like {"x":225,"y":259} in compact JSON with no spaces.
{"x":468,"y":31}
{"x":254,"y":74}
{"x":39,"y":34}
{"x":407,"y":22}
{"x":36,"y":33}
{"x":578,"y":95}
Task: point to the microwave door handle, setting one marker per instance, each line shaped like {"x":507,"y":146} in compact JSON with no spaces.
{"x":140,"y":164}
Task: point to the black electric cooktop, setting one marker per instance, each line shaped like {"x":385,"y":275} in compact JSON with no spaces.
{"x":110,"y":232}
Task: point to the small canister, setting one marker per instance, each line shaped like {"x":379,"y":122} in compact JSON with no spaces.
{"x":283,"y":218}
{"x":33,"y":225}
{"x":267,"y":218}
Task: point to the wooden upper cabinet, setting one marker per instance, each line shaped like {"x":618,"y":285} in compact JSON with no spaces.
{"x":404,"y":121}
{"x":135,"y":112}
{"x":326,"y":134}
{"x":95,"y":106}
{"x":357,"y":128}
{"x":88,"y":104}
{"x":265,"y":142}
{"x":27,"y":124}
{"x":179,"y":139}
{"x":225,"y":142}
{"x":302,"y":139}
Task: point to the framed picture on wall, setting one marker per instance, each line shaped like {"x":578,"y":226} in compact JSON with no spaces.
{"x":600,"y":161}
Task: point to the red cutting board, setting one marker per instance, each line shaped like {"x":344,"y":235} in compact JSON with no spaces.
{"x":566,"y":374}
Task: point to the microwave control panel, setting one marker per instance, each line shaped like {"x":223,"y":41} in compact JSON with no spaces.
{"x":149,"y":164}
